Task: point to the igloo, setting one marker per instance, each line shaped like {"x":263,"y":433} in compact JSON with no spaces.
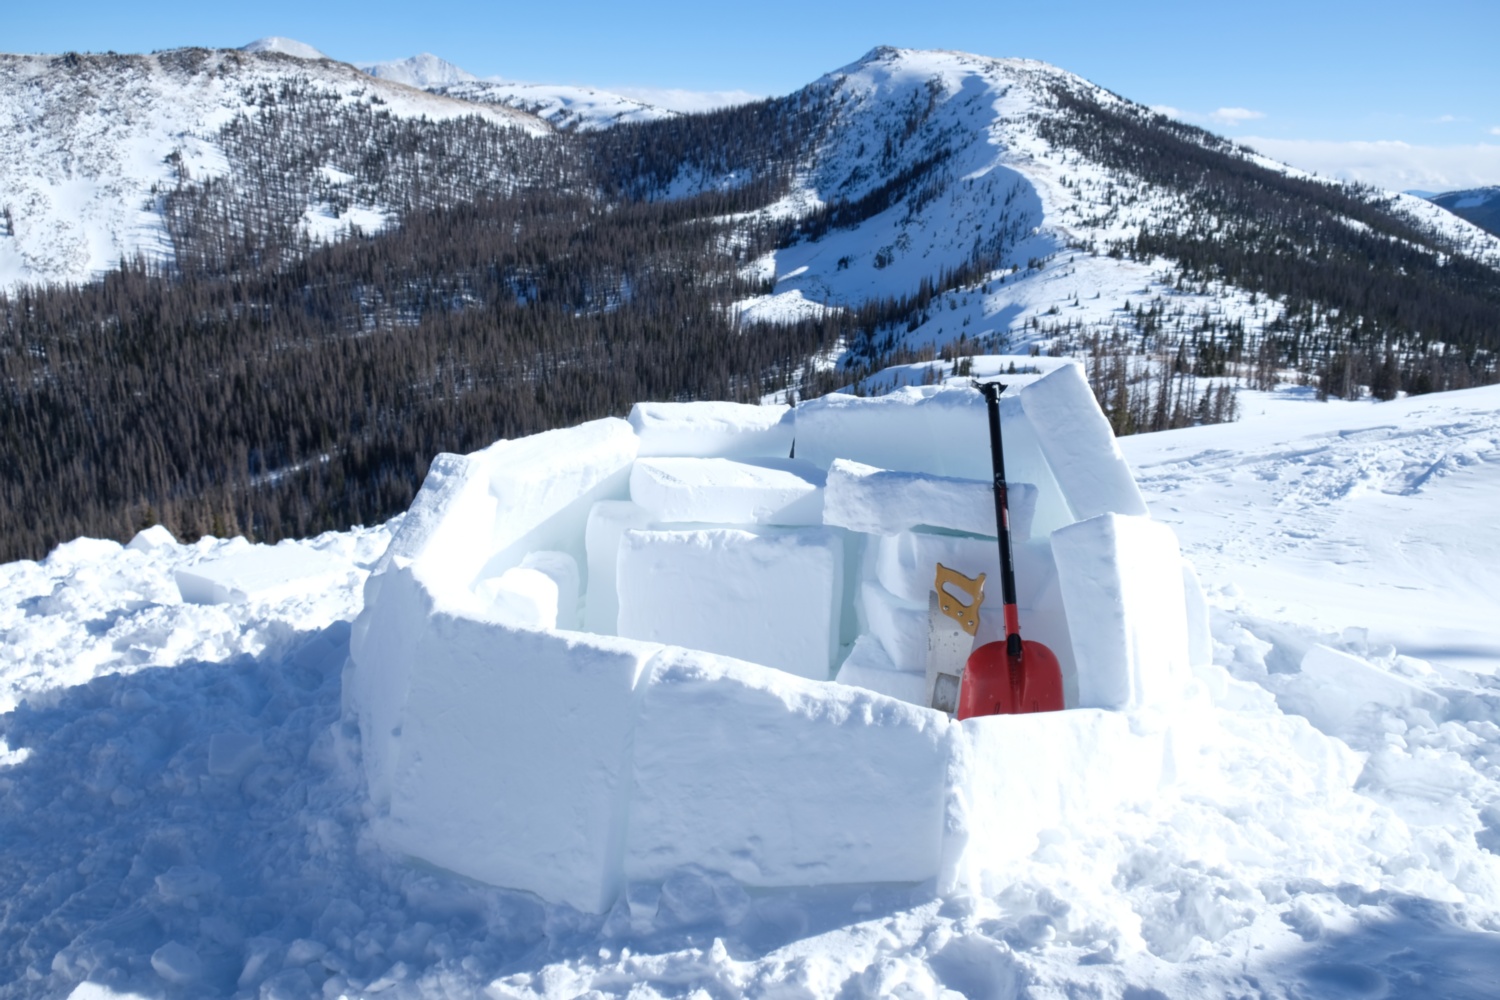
{"x":597,"y":655}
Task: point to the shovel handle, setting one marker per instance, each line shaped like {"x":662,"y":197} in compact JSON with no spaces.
{"x":992,"y":391}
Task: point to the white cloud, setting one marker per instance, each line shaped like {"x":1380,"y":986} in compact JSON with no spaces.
{"x":1495,"y":130}
{"x":1168,"y":110}
{"x":688,"y":100}
{"x":1397,"y":166}
{"x":1235,"y":116}
{"x":1444,"y":119}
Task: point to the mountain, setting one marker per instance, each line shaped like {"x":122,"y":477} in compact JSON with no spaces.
{"x":284,"y":46}
{"x":912,"y":207}
{"x":1480,"y":206}
{"x":424,"y":71}
{"x":564,"y":106}
{"x":93,"y":147}
{"x":1089,"y":201}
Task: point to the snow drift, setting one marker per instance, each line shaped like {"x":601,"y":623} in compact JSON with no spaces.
{"x":751,"y":715}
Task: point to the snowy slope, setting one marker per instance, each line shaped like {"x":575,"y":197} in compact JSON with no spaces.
{"x":90,"y":143}
{"x":180,"y":813}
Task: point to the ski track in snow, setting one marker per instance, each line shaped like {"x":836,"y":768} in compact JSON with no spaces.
{"x":181,"y":813}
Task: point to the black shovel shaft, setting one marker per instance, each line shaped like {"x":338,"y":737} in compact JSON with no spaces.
{"x":992,"y":392}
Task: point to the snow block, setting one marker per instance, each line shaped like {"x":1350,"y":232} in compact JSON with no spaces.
{"x":899,"y":626}
{"x":724,"y":491}
{"x":452,"y":507}
{"x":868,"y":666}
{"x":906,"y":564}
{"x":779,"y":781}
{"x":152,"y":539}
{"x":607,"y":522}
{"x":260,"y":573}
{"x":512,"y":757}
{"x":562,"y":570}
{"x":936,"y":431}
{"x":523,"y":597}
{"x":1023,"y":774}
{"x":1121,"y":584}
{"x":544,"y":486}
{"x":726,"y":430}
{"x":770,"y":597}
{"x":1080,"y":446}
{"x":1333,"y":686}
{"x":882,"y":502}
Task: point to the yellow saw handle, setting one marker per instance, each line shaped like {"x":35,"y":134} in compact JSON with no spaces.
{"x":967,"y":615}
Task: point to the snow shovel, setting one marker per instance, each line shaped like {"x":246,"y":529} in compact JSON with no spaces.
{"x":1012,"y":676}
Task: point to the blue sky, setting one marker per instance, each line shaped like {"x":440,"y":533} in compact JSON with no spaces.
{"x":1373,"y":81}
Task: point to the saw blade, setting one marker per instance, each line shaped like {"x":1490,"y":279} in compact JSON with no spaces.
{"x":948,"y":648}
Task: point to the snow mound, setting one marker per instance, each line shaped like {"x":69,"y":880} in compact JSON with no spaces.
{"x":706,"y":731}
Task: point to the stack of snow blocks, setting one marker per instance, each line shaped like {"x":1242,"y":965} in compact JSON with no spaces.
{"x":594,"y":656}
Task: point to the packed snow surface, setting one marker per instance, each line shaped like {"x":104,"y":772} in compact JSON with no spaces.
{"x":182,"y":812}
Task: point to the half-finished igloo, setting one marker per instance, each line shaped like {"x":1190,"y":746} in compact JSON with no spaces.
{"x":596,"y":655}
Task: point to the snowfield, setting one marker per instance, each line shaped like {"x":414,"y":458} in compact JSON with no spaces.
{"x":182,"y":811}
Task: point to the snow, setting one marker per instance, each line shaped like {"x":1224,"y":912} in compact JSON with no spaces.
{"x":1340,"y":515}
{"x":1122,"y":585}
{"x":770,"y":597}
{"x":422,"y":71}
{"x":900,"y":627}
{"x":86,"y":151}
{"x":1081,"y":451}
{"x":259,"y":574}
{"x":896,"y":432}
{"x":543,"y":487}
{"x":722,"y":490}
{"x":565,"y":106}
{"x":480,"y":735}
{"x":712,"y":428}
{"x":1318,"y":817}
{"x":776,"y":781}
{"x":868,"y":666}
{"x":285,"y":46}
{"x":880,"y":502}
{"x":608,"y":521}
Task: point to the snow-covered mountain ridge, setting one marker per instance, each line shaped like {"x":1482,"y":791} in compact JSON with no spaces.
{"x":567,"y":107}
{"x":903,"y":122}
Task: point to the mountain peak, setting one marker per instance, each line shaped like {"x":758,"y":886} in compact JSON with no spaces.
{"x":285,"y":46}
{"x":421,"y":71}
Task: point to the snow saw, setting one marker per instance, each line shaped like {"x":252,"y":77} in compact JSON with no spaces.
{"x":1013,"y":675}
{"x":951,"y":624}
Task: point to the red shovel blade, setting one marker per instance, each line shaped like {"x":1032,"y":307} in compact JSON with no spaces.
{"x":997,"y":683}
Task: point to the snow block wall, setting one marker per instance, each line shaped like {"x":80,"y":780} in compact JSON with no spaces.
{"x":746,"y":698}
